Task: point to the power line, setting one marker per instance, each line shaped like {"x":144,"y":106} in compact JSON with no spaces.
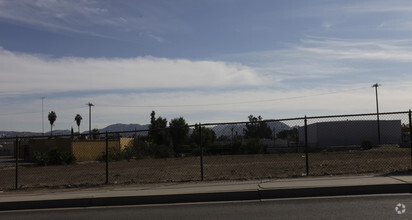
{"x":227,"y":103}
{"x":37,"y":112}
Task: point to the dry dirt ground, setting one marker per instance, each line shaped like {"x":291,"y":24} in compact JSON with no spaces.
{"x":381,"y":160}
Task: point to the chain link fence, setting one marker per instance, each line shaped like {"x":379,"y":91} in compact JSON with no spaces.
{"x":252,"y":150}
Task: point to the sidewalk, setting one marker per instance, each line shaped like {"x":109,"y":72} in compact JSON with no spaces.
{"x":209,"y":192}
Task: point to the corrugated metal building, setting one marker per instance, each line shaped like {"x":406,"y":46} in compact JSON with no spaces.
{"x":343,"y":133}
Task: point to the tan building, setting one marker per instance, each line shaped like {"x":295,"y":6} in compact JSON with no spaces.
{"x":83,"y":150}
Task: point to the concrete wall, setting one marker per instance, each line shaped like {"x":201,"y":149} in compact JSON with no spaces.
{"x":92,"y":150}
{"x":83,"y":150}
{"x":7,"y":148}
{"x":126,"y":142}
{"x":27,"y":149}
{"x":343,"y":133}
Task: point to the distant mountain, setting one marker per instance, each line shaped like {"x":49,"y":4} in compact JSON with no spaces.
{"x":124,"y":127}
{"x":226,"y":130}
{"x":110,"y":128}
{"x":27,"y":134}
{"x":18,"y":134}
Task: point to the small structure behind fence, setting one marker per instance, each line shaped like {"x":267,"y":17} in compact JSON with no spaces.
{"x":294,"y":147}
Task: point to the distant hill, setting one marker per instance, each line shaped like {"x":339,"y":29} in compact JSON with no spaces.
{"x":110,"y":128}
{"x":18,"y":134}
{"x":27,"y":134}
{"x":124,"y":127}
{"x":226,"y":130}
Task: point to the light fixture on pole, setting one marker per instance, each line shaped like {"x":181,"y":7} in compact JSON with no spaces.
{"x":90,"y":118}
{"x":42,"y":114}
{"x":376,"y":85}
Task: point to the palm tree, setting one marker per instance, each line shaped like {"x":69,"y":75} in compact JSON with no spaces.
{"x":52,"y":119}
{"x":78,"y":119}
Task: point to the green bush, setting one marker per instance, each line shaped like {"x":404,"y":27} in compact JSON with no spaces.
{"x":54,"y":157}
{"x":195,"y":150}
{"x":163,"y":151}
{"x":41,"y":158}
{"x":254,"y":146}
{"x":141,"y":149}
{"x":237,"y":147}
{"x":69,"y":158}
{"x":114,"y":154}
{"x":128,"y":152}
{"x":367,"y":144}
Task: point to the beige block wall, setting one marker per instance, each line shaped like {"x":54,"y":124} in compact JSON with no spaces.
{"x":29,"y":149}
{"x":126,"y":142}
{"x":83,"y":150}
{"x":91,"y":150}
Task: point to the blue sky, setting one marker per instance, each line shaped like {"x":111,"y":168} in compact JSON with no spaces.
{"x":208,"y":61}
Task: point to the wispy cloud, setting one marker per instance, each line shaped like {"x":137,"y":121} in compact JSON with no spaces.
{"x":403,"y":6}
{"x":320,"y":58}
{"x":126,"y":90}
{"x":27,"y":74}
{"x":387,"y":50}
{"x":89,"y":17}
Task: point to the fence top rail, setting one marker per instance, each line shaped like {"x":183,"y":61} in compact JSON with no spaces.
{"x":357,"y":115}
{"x":205,"y":124}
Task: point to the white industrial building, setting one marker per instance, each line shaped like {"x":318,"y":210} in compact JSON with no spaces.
{"x":343,"y":133}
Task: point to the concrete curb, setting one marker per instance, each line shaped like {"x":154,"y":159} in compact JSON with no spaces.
{"x":209,"y":197}
{"x":336,"y":191}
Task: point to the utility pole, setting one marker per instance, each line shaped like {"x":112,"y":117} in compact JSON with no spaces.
{"x":42,"y":114}
{"x":376,"y":85}
{"x":90,"y":118}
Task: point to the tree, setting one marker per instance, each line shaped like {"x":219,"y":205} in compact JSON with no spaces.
{"x":52,"y":118}
{"x":179,"y":131}
{"x":157,"y":130}
{"x":405,"y":127}
{"x":208,"y":136}
{"x":291,"y":134}
{"x":95,"y":133}
{"x":257,"y":128}
{"x":78,"y":119}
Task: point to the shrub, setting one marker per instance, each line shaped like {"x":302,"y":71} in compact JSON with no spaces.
{"x":195,"y":150}
{"x":54,"y":157}
{"x":114,"y":155}
{"x":237,"y":147}
{"x":41,"y":158}
{"x":254,"y":146}
{"x":69,"y":158}
{"x":128,"y":152}
{"x":141,"y":149}
{"x":367,"y":144}
{"x":163,"y":151}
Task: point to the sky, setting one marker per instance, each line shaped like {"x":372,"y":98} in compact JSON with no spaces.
{"x":207,"y":61}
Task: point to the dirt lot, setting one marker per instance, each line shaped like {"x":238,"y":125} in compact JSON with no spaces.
{"x":382,"y":160}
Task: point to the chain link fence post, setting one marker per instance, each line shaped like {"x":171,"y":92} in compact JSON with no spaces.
{"x":410,"y":132}
{"x":107,"y":158}
{"x":201,"y":152}
{"x":306,"y":146}
{"x":17,"y":163}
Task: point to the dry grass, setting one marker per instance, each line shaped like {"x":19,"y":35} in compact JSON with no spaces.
{"x":382,"y":160}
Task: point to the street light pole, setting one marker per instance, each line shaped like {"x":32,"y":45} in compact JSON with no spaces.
{"x":42,"y":114}
{"x":90,"y":118}
{"x":376,"y":85}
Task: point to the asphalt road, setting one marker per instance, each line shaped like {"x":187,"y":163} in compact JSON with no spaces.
{"x":348,"y":207}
